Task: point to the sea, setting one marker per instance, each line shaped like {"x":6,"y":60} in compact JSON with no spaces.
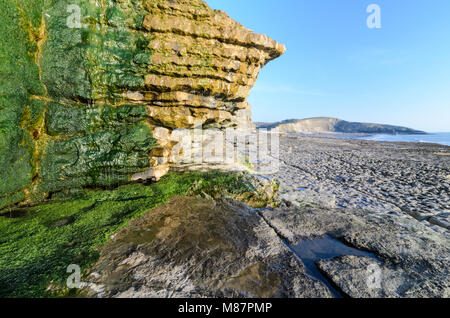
{"x":435,"y":138}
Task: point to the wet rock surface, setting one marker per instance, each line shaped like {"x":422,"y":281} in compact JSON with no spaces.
{"x":402,"y":245}
{"x":362,"y":277}
{"x":194,"y":247}
{"x":390,"y":199}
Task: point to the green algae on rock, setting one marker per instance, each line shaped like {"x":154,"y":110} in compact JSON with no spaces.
{"x":19,"y":76}
{"x":38,"y":243}
{"x":61,"y":124}
{"x":85,"y":84}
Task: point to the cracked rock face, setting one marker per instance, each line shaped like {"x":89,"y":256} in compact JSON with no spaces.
{"x":194,"y":247}
{"x":93,"y":90}
{"x":412,"y":259}
{"x":361,"y":277}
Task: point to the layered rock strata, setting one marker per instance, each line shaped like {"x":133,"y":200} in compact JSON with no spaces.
{"x":91,"y":92}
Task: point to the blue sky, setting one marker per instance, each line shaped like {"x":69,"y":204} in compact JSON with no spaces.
{"x":336,"y":66}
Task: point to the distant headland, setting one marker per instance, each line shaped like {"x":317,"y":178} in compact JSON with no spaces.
{"x":327,"y":124}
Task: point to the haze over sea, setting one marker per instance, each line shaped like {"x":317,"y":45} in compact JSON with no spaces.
{"x":435,"y":138}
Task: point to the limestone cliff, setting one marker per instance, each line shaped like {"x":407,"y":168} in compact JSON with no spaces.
{"x":90,"y":91}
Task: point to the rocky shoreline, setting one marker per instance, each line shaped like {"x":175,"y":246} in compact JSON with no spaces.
{"x":382,"y":177}
{"x":346,"y":227}
{"x":391,"y":199}
{"x":97,"y":119}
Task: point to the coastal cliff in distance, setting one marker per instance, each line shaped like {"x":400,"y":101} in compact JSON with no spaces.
{"x":326,"y":124}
